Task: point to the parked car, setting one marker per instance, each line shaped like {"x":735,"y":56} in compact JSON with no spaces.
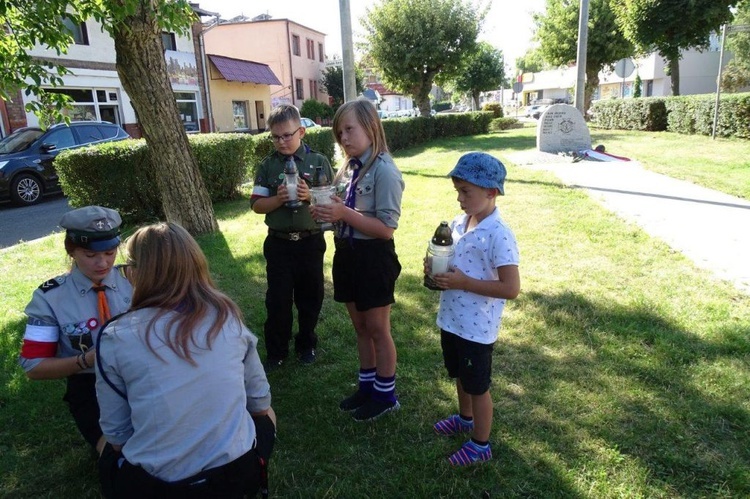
{"x":307,"y":123}
{"x":530,"y":110}
{"x":537,"y":113}
{"x":382,"y":114}
{"x":27,"y":155}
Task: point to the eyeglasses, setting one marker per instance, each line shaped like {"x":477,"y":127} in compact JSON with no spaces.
{"x":285,"y":137}
{"x":123,"y":268}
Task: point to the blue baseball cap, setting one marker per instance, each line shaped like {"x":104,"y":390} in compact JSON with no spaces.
{"x":92,"y":227}
{"x":480,"y":169}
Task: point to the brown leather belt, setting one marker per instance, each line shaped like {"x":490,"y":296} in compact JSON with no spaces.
{"x":292,"y":236}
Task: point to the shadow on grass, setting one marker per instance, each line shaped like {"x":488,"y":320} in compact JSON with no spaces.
{"x":637,"y":372}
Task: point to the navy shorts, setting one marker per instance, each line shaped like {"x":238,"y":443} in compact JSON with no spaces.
{"x":468,"y":361}
{"x":365,"y":272}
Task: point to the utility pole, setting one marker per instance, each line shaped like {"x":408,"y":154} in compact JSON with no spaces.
{"x":347,"y":48}
{"x":583,"y":35}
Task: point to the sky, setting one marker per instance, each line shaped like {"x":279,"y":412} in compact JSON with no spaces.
{"x":508,"y":25}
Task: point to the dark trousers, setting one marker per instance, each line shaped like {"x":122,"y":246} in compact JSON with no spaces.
{"x":294,"y":270}
{"x":81,"y":398}
{"x":243,"y":477}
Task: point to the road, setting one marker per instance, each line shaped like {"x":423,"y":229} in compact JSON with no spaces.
{"x":18,"y":224}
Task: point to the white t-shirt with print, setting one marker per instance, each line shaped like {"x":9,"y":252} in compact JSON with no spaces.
{"x":479,"y":252}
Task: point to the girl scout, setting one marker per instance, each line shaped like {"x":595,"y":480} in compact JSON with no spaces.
{"x":66,"y":312}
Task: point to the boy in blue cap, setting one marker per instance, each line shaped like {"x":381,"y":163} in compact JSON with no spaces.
{"x":482,"y":276}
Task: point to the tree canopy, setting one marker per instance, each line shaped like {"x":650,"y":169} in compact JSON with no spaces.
{"x":531,"y":62}
{"x":557,"y":32}
{"x":737,"y":73}
{"x":483,"y":70}
{"x":333,"y":83}
{"x":136,"y":27}
{"x":412,"y":41}
{"x":670,"y":26}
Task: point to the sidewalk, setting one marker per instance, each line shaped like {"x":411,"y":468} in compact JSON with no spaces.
{"x":709,"y":227}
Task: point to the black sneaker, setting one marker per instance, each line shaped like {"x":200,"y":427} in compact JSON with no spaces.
{"x":354,"y":401}
{"x":307,"y":357}
{"x":373,"y":409}
{"x":272,"y":364}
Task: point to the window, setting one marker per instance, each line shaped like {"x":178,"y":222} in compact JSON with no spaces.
{"x":321,"y":55}
{"x":77,"y":31}
{"x":61,"y":139}
{"x":313,"y":89}
{"x":295,"y":45}
{"x":310,"y":49}
{"x":300,"y":90}
{"x":168,"y":40}
{"x":89,"y":133}
{"x":187,"y":105}
{"x":91,"y":104}
{"x":239,"y":110}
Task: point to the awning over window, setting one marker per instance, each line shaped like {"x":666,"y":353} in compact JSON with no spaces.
{"x":244,"y":71}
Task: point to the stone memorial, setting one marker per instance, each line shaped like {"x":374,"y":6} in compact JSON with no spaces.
{"x":561,"y":128}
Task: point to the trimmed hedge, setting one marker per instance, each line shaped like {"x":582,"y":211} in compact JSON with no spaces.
{"x":694,"y":114}
{"x":646,"y":114}
{"x":500,"y":124}
{"x":120,"y":174}
{"x":687,"y":114}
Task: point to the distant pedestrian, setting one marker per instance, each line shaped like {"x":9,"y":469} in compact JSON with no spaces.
{"x":365,"y":265}
{"x":295,"y":246}
{"x":66,"y":312}
{"x":483,"y":275}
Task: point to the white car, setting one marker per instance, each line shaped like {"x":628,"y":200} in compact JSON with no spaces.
{"x":307,"y":123}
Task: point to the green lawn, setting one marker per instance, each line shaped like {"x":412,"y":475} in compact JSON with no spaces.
{"x":622,"y":370}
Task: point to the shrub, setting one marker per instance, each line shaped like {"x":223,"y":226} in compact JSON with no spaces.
{"x":495,"y":108}
{"x":648,"y":114}
{"x":688,"y":114}
{"x":315,"y":110}
{"x":691,"y":114}
{"x":442,"y":106}
{"x":120,"y":174}
{"x":499,"y":124}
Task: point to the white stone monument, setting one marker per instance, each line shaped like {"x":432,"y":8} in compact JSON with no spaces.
{"x":561,"y":128}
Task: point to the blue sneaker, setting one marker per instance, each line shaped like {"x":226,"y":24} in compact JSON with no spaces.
{"x":470,"y":453}
{"x":453,"y":425}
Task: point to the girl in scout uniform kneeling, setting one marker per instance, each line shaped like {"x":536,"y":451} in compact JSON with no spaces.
{"x":66,"y":312}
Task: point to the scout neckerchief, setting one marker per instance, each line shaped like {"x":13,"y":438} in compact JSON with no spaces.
{"x":351,"y":197}
{"x":103,"y":306}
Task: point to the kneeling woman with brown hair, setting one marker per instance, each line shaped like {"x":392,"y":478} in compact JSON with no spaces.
{"x":182,"y":391}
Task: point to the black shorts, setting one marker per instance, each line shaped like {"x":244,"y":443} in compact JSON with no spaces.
{"x":81,"y":398}
{"x":365,"y":272}
{"x":468,"y":361}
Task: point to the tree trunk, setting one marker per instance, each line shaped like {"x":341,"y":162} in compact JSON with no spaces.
{"x":674,"y":74}
{"x":143,"y":72}
{"x":421,"y":94}
{"x":592,"y":83}
{"x":475,"y":98}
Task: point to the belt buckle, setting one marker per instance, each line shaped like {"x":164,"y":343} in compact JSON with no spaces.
{"x":294,"y":236}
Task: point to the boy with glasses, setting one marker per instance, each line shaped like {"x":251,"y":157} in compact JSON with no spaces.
{"x":295,"y":245}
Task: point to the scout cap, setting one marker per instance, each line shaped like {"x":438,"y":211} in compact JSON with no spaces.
{"x":480,"y":169}
{"x":92,"y":227}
